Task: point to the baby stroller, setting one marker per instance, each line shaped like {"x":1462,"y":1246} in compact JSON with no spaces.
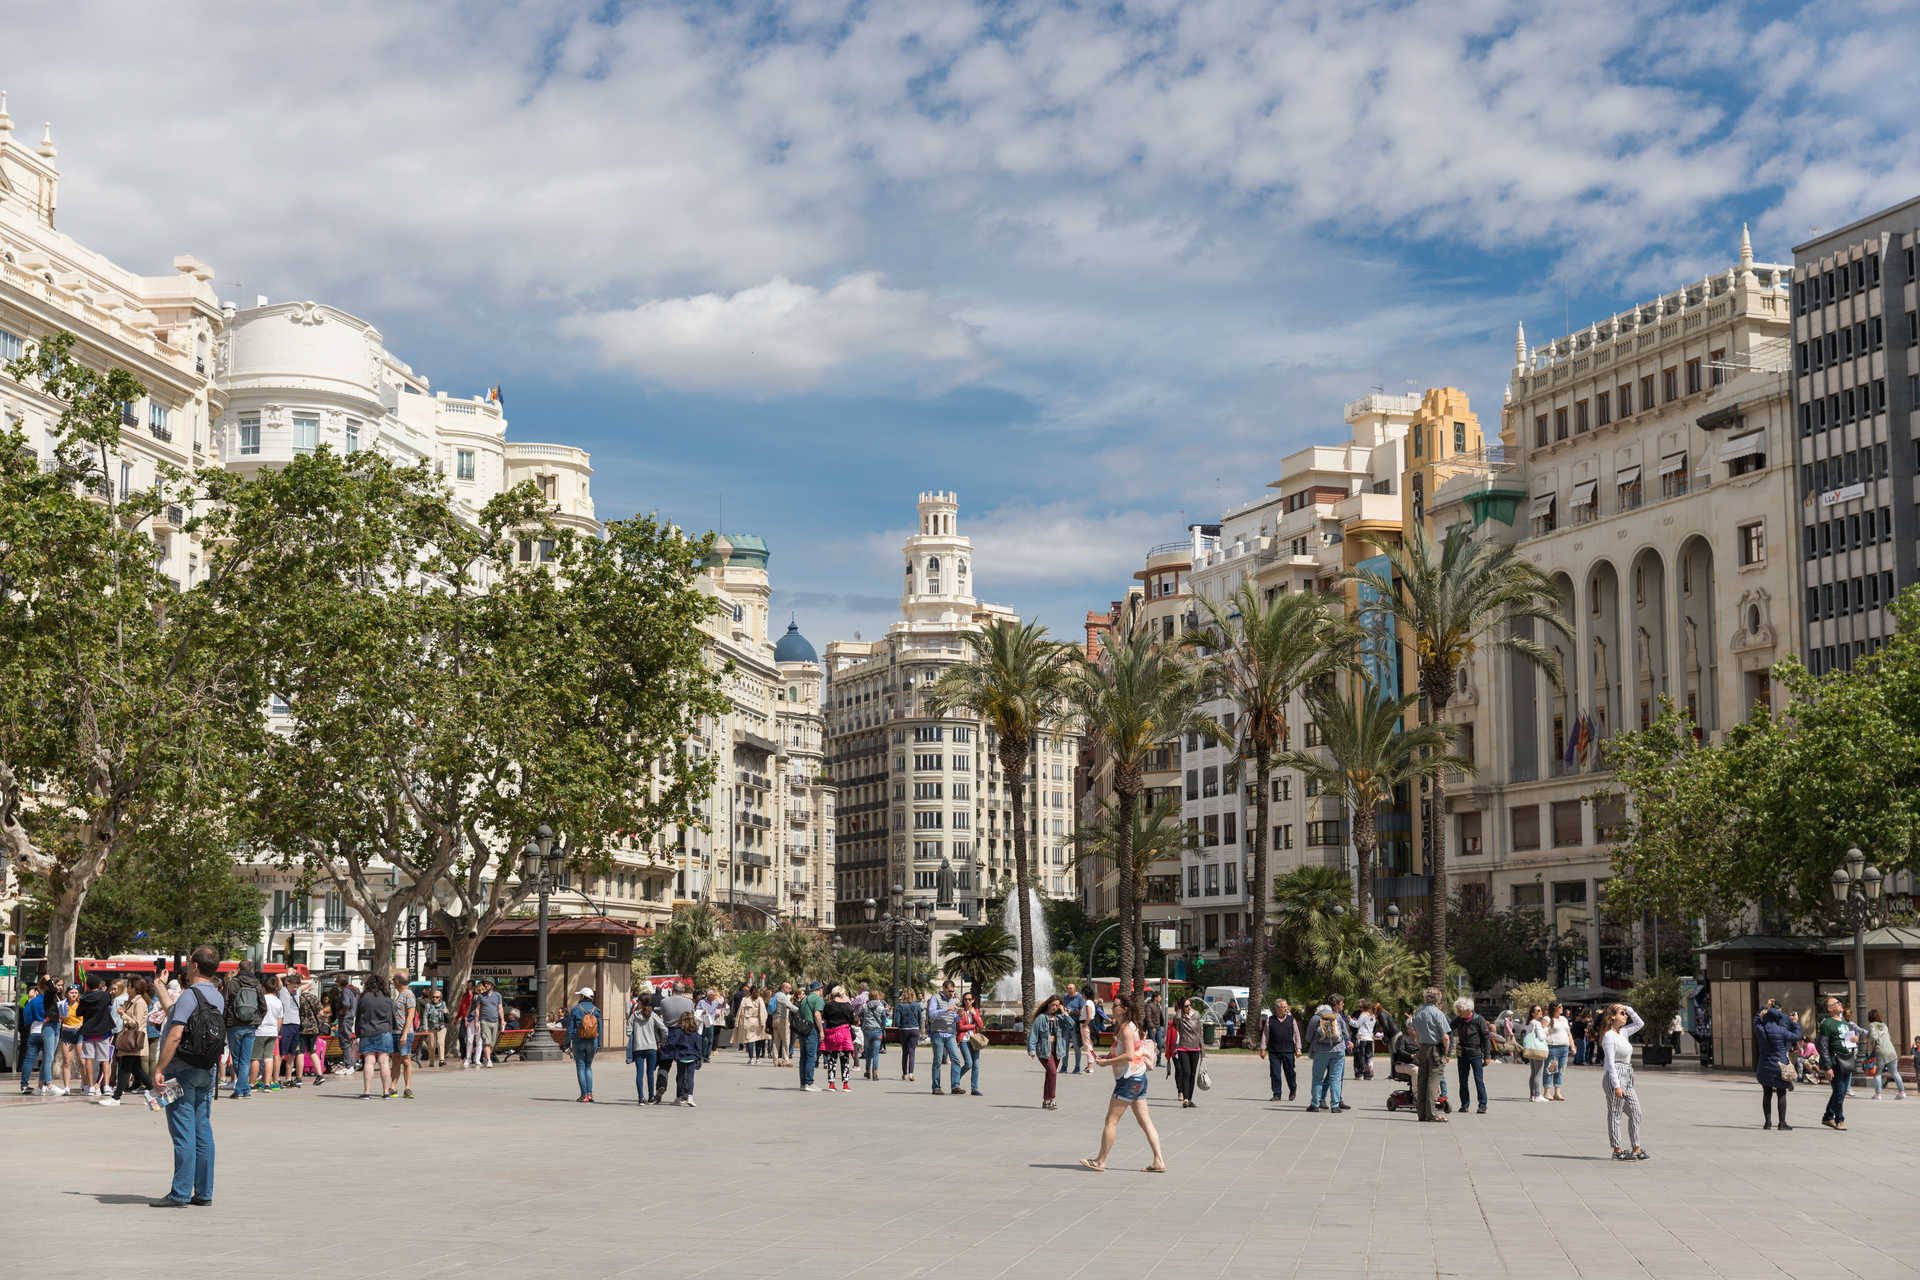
{"x":1401,"y":1072}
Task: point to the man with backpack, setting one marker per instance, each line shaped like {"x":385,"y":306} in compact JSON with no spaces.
{"x":1327,"y":1038}
{"x":245,"y":1005}
{"x":189,"y":1059}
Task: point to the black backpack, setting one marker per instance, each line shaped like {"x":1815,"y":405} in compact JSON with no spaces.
{"x":203,"y":1037}
{"x":243,"y":1002}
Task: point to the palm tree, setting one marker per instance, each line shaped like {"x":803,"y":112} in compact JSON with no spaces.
{"x":1369,"y":752}
{"x":1014,"y":684}
{"x":1258,"y":653}
{"x":690,"y":937}
{"x":1310,"y":911}
{"x":1135,"y":696}
{"x":983,"y":954}
{"x":791,"y":949}
{"x":1449,"y":604}
{"x":1157,"y":833}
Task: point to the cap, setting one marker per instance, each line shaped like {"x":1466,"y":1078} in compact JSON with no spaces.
{"x":815,"y":986}
{"x":585,"y":991}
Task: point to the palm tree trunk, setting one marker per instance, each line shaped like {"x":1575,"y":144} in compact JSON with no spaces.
{"x":1257,"y":891}
{"x":1364,"y":839}
{"x":1437,"y":684}
{"x":1129,"y":890}
{"x":1014,"y":765}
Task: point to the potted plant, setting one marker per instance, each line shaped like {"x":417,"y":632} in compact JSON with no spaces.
{"x":1656,"y":1000}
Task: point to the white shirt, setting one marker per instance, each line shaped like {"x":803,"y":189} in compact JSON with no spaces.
{"x":289,"y":1007}
{"x":1363,"y":1029}
{"x":270,"y":1023}
{"x":1616,"y":1052}
{"x":1559,"y":1032}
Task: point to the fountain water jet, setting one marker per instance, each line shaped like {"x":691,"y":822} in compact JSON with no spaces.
{"x":1007,"y":990}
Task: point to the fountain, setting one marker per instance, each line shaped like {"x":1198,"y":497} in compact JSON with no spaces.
{"x":1007,"y":990}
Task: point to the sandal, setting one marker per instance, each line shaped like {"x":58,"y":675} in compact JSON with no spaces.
{"x":1155,"y":1168}
{"x":1094,"y":1165}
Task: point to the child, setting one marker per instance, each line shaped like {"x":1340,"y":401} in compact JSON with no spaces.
{"x":685,"y":1046}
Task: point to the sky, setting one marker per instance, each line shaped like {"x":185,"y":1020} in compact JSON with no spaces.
{"x":1095,"y":267}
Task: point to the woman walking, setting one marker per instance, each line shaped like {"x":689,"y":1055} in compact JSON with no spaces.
{"x":1775,"y":1033}
{"x":1050,"y":1039}
{"x":434,"y":1017}
{"x":1559,"y":1049}
{"x":470,"y":1025}
{"x":780,"y":1024}
{"x":970,"y":1025}
{"x":161,"y":998}
{"x":1130,"y":1061}
{"x":373,"y":1021}
{"x":873,"y":1034}
{"x":1887,"y":1055}
{"x":685,"y":1048}
{"x":1364,"y":1026}
{"x":836,"y":1039}
{"x":1533,"y":1044}
{"x":910,"y":1016}
{"x":1184,"y":1030}
{"x":130,"y":1043}
{"x":750,"y":1025}
{"x":1618,"y":1022}
{"x":645,"y":1032}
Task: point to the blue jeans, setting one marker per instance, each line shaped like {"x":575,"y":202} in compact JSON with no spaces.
{"x":1472,"y":1063}
{"x":190,"y":1125}
{"x":644,"y":1062}
{"x":1557,"y":1055}
{"x":240,"y":1049}
{"x":809,"y":1055}
{"x":583,"y":1067}
{"x":44,"y":1047}
{"x":1073,"y":1053}
{"x":706,"y":1043}
{"x":875,"y":1041}
{"x":683,"y":1078}
{"x":1889,"y":1070}
{"x":1837,"y":1104}
{"x":945,"y":1049}
{"x":1329,"y":1069}
{"x":969,"y":1063}
{"x":1280,"y":1071}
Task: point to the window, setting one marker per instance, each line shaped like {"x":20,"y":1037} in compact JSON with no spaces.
{"x":1283,"y":836}
{"x":1560,"y":424}
{"x":1669,"y":384}
{"x":1282,"y":789}
{"x":926,"y":848}
{"x":1210,"y":781}
{"x":547,"y":549}
{"x":1566,"y":824}
{"x":306,"y":432}
{"x":549,"y":488}
{"x":126,"y":479}
{"x":1193,"y":784}
{"x":1470,"y":832}
{"x":289,"y":912}
{"x":929,"y":820}
{"x":1324,"y":833}
{"x":1625,"y":396}
{"x":961,"y":733}
{"x":1229,"y":830}
{"x":926,"y":791}
{"x":1673,"y":475}
{"x":923,"y":763}
{"x":1540,"y":431}
{"x":1313,"y":734}
{"x":249,"y":434}
{"x":1418,"y":434}
{"x":1603,"y":408}
{"x":1459,"y":437}
{"x":463,"y":464}
{"x":1753,"y":543}
{"x":336,"y":913}
{"x":11,"y":346}
{"x":353,"y":435}
{"x":1580,"y":422}
{"x":1213,"y":879}
{"x":1193,"y":882}
{"x":1646,"y":393}
{"x":1693,"y":375}
{"x":1232,"y":885}
{"x":526,"y":550}
{"x":157,"y":421}
{"x":1312,"y":788}
{"x":1717,"y":374}
{"x":927,"y":733}
{"x":1526,"y":826}
{"x":962,"y":820}
{"x":1210,"y":830}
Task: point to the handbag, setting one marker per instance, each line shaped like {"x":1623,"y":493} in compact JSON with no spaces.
{"x":1534,"y":1047}
{"x":132,"y":1038}
{"x":1205,"y":1079}
{"x":976,"y":1040}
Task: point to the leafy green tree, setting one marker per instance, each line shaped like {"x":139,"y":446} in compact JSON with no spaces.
{"x":1259,"y":653}
{"x":720,"y":970}
{"x":1369,"y":753}
{"x":1015,"y":685}
{"x":792,"y":950}
{"x":104,"y":663}
{"x":984,"y":954}
{"x":1134,"y":696}
{"x":1490,"y":945}
{"x":1066,"y":968}
{"x":1466,"y":596}
{"x":693,"y":934}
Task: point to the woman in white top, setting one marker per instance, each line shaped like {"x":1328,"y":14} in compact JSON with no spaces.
{"x":1130,"y":1059}
{"x":1559,"y":1049}
{"x":1617,"y":1023}
{"x":1363,"y":1027}
{"x":1533,"y":1043}
{"x":266,"y":1037}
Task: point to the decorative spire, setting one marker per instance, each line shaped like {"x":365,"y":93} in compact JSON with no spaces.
{"x":1746,"y":249}
{"x":1520,"y":344}
{"x":46,"y":142}
{"x":6,"y":121}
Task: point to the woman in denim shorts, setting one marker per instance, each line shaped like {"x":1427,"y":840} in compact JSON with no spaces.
{"x":1131,"y":1058}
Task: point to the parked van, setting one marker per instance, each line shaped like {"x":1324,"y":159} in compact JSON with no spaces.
{"x":1217,"y":997}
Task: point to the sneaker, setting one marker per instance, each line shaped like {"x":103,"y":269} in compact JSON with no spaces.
{"x":366,"y":1097}
{"x":408,"y":1093}
{"x":1785,"y":1127}
{"x":107,"y":1102}
{"x":393,"y":1093}
{"x":1343,"y":1107}
{"x":1481,"y":1111}
{"x":689,"y":1102}
{"x":167,"y":1202}
{"x":808,"y":1088}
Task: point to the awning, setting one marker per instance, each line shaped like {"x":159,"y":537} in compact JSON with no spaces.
{"x":1743,"y":446}
{"x":1584,"y":492}
{"x":1673,"y":462}
{"x":1627,"y":476}
{"x":1542,"y":504}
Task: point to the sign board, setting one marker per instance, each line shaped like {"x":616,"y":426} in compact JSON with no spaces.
{"x":7,"y":971}
{"x":1169,"y":939}
{"x":503,"y":971}
{"x":1833,"y":497}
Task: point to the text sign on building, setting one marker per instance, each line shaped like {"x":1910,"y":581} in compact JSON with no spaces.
{"x":1834,"y":497}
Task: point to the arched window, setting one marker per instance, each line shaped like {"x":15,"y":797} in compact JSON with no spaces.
{"x":963,"y":568}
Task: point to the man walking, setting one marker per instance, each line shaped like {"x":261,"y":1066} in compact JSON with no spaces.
{"x":943,"y":1018}
{"x":1432,"y":1035}
{"x":1154,"y":1020}
{"x":406,"y":1020}
{"x":245,"y":1006}
{"x":487,"y":1010}
{"x":190,"y":1055}
{"x":1076,"y":1007}
{"x":1473,"y":1040}
{"x":1327,"y":1040}
{"x":1280,"y":1045}
{"x":347,"y":998}
{"x":808,"y":1033}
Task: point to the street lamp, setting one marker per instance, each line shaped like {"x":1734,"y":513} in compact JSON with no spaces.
{"x":543,"y":858}
{"x":1393,"y":918}
{"x":1857,"y":887}
{"x":898,"y":926}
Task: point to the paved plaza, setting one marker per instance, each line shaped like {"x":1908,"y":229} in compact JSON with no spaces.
{"x":502,"y":1171}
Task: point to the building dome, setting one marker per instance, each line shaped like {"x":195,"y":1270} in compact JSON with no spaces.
{"x":793,"y":647}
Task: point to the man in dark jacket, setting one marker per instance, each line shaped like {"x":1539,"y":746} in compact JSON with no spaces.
{"x":1280,"y":1045}
{"x":96,"y":1034}
{"x":1473,"y":1042}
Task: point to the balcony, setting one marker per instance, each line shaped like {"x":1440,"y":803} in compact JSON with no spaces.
{"x":169,"y":518}
{"x":163,"y":434}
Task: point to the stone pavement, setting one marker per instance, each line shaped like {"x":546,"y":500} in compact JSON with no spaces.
{"x":502,"y":1171}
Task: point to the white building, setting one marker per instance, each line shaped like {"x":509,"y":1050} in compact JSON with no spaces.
{"x":923,"y":805}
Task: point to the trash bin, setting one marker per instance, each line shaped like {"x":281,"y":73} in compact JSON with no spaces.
{"x":1209,"y":1034}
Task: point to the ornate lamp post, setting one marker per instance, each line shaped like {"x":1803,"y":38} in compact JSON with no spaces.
{"x":1857,"y":887}
{"x":1393,"y":918}
{"x":543,"y":859}
{"x":900,"y":927}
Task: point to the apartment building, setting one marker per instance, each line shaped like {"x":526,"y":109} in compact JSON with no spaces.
{"x":924,"y":808}
{"x":1856,"y":387}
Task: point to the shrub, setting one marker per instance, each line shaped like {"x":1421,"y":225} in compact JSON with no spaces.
{"x":719,"y":970}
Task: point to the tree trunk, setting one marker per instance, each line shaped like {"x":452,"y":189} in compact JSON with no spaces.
{"x":63,"y":927}
{"x":384,"y":927}
{"x":70,"y":885}
{"x":1013,"y":764}
{"x":1257,"y":891}
{"x":1129,"y":893}
{"x":464,"y":949}
{"x":1364,"y":839}
{"x":1437,"y":684}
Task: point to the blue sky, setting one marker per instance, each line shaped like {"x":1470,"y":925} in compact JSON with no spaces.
{"x":1096,"y":267}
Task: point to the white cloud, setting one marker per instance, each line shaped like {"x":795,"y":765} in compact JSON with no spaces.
{"x":784,"y":337}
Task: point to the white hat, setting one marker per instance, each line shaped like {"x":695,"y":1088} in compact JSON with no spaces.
{"x":585,"y":991}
